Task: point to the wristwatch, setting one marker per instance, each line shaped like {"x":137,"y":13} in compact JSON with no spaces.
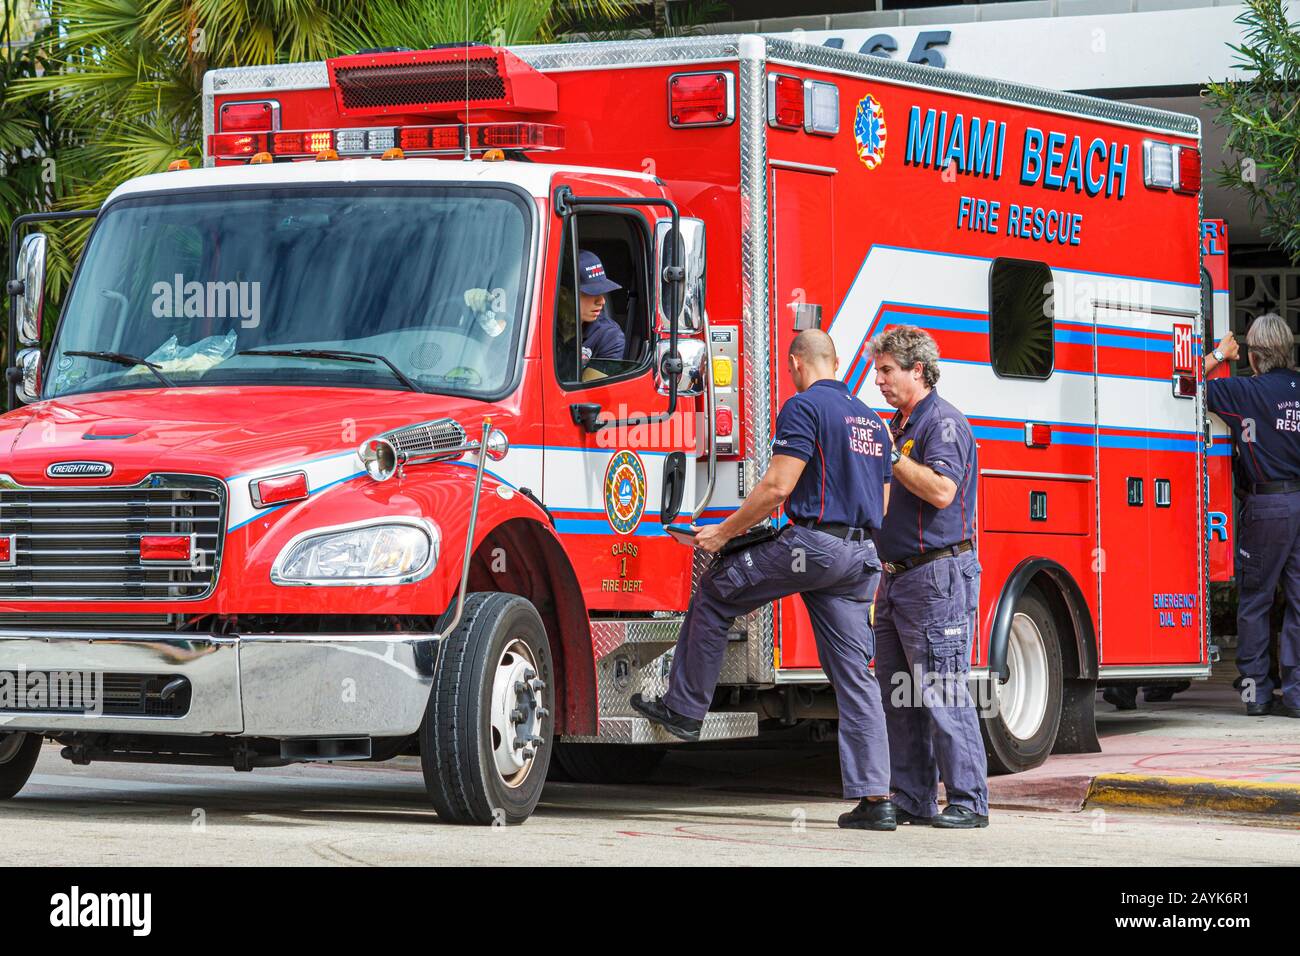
{"x":1218,"y":356}
{"x":894,"y":456}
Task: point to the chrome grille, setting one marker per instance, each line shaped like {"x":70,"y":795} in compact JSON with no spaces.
{"x":428,"y":438}
{"x":83,"y":543}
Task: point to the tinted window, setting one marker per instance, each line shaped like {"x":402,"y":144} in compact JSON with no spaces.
{"x":1021,"y":339}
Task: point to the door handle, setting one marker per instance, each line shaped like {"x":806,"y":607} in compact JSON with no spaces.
{"x":587,"y":415}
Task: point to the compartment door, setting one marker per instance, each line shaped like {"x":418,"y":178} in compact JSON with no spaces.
{"x":802,"y":285}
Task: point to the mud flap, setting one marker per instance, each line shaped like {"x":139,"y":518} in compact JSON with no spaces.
{"x":1078,"y":731}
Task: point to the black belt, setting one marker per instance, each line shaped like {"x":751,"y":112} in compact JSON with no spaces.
{"x":1275,"y":487}
{"x":925,"y":557}
{"x":847,"y":532}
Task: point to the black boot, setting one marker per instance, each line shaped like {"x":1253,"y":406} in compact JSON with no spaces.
{"x":870,"y":815}
{"x":687,"y":728}
{"x":959,"y":818}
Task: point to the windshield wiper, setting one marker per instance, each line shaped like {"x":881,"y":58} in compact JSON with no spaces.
{"x":123,"y":358}
{"x":342,"y":355}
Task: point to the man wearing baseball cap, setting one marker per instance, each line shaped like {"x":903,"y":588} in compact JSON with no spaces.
{"x":601,"y":336}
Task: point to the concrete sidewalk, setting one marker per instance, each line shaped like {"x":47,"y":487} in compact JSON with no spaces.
{"x":1199,"y":751}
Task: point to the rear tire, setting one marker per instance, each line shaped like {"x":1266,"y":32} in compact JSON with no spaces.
{"x":1022,"y":729}
{"x":486,"y":739}
{"x":18,"y":753}
{"x":608,"y":763}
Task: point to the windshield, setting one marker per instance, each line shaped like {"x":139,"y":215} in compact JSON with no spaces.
{"x":406,"y":287}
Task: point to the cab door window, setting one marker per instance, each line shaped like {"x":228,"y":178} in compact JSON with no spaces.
{"x":602,"y":309}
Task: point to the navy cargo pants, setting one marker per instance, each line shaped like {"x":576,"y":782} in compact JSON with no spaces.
{"x":836,"y":579}
{"x":924,"y":619}
{"x":1268,"y":554}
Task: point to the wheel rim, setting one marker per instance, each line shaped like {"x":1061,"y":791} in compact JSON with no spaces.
{"x":1022,"y":700}
{"x":10,"y":744}
{"x":517,"y":713}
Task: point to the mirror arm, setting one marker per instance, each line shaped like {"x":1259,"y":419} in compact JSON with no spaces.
{"x":567,"y":204}
{"x":11,"y":334}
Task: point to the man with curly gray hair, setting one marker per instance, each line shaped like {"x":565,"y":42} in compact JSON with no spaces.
{"x":929,"y":592}
{"x":1263,"y":413}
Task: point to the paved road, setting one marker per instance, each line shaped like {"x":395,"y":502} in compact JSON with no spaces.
{"x":359,"y":815}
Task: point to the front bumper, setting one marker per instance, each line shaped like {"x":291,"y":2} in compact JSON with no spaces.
{"x":250,"y":685}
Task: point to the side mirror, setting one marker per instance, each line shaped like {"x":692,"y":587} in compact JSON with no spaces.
{"x":689,"y":366}
{"x":29,"y":369}
{"x":691,"y":258}
{"x":29,"y":288}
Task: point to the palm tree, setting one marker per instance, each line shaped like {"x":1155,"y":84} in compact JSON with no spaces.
{"x":125,"y":77}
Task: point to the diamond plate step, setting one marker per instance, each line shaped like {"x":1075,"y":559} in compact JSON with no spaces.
{"x":639,"y":730}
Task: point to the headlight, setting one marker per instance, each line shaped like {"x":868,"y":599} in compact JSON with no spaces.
{"x":389,"y":552}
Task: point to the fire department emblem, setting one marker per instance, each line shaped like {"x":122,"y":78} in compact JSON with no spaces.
{"x":625,"y":492}
{"x":869,"y":131}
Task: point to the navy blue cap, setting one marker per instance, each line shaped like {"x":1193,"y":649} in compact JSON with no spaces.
{"x":593,"y":280}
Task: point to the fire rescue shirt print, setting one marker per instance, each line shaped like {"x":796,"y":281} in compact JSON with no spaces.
{"x":938,"y":436}
{"x":602,"y":339}
{"x":846,"y":447}
{"x":1263,"y":414}
{"x":625,"y":488}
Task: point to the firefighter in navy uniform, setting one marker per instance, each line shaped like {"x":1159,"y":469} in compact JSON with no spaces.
{"x":830,"y":468}
{"x":1263,"y":413}
{"x":929,"y":593}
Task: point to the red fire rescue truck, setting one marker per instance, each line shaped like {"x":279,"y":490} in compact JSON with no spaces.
{"x":316,"y":467}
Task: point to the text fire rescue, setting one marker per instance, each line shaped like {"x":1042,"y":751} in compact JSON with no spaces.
{"x":976,"y":148}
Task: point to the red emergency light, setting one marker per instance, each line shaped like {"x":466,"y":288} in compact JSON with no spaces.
{"x":260,"y":116}
{"x":236,"y":145}
{"x":701,"y":99}
{"x":278,"y":489}
{"x":166,"y":548}
{"x":7,"y":550}
{"x":447,"y":81}
{"x":1038,"y":435}
{"x":1189,"y":170}
{"x":785,"y":101}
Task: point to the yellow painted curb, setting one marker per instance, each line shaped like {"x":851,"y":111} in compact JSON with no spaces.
{"x":1146,"y":792}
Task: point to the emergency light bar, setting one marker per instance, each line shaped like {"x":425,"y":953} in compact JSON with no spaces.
{"x":374,"y":141}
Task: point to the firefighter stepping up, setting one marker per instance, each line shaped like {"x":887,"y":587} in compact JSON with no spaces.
{"x":1263,"y":414}
{"x":830,"y":468}
{"x":929,"y":592}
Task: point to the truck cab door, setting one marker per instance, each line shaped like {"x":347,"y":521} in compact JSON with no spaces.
{"x":616,"y":466}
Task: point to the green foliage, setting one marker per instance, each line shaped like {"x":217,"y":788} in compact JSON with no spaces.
{"x":1262,"y":115}
{"x":113,"y":89}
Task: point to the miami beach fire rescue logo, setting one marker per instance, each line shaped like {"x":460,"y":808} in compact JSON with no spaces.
{"x":625,"y":492}
{"x":869,"y":131}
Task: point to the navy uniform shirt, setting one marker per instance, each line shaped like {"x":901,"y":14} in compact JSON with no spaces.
{"x":846,"y":447}
{"x":602,"y":339}
{"x":939,"y":437}
{"x":1272,"y":402}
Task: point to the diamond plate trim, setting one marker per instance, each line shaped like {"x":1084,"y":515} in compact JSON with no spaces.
{"x":609,"y":636}
{"x":638,"y":730}
{"x":755,"y":312}
{"x":256,"y":79}
{"x":577,"y":56}
{"x":917,"y":74}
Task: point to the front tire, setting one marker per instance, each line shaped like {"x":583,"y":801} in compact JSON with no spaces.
{"x":486,"y":739}
{"x":1022,"y":729}
{"x":18,"y":753}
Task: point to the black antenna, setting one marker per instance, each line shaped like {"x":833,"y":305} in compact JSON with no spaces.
{"x":468,"y":132}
